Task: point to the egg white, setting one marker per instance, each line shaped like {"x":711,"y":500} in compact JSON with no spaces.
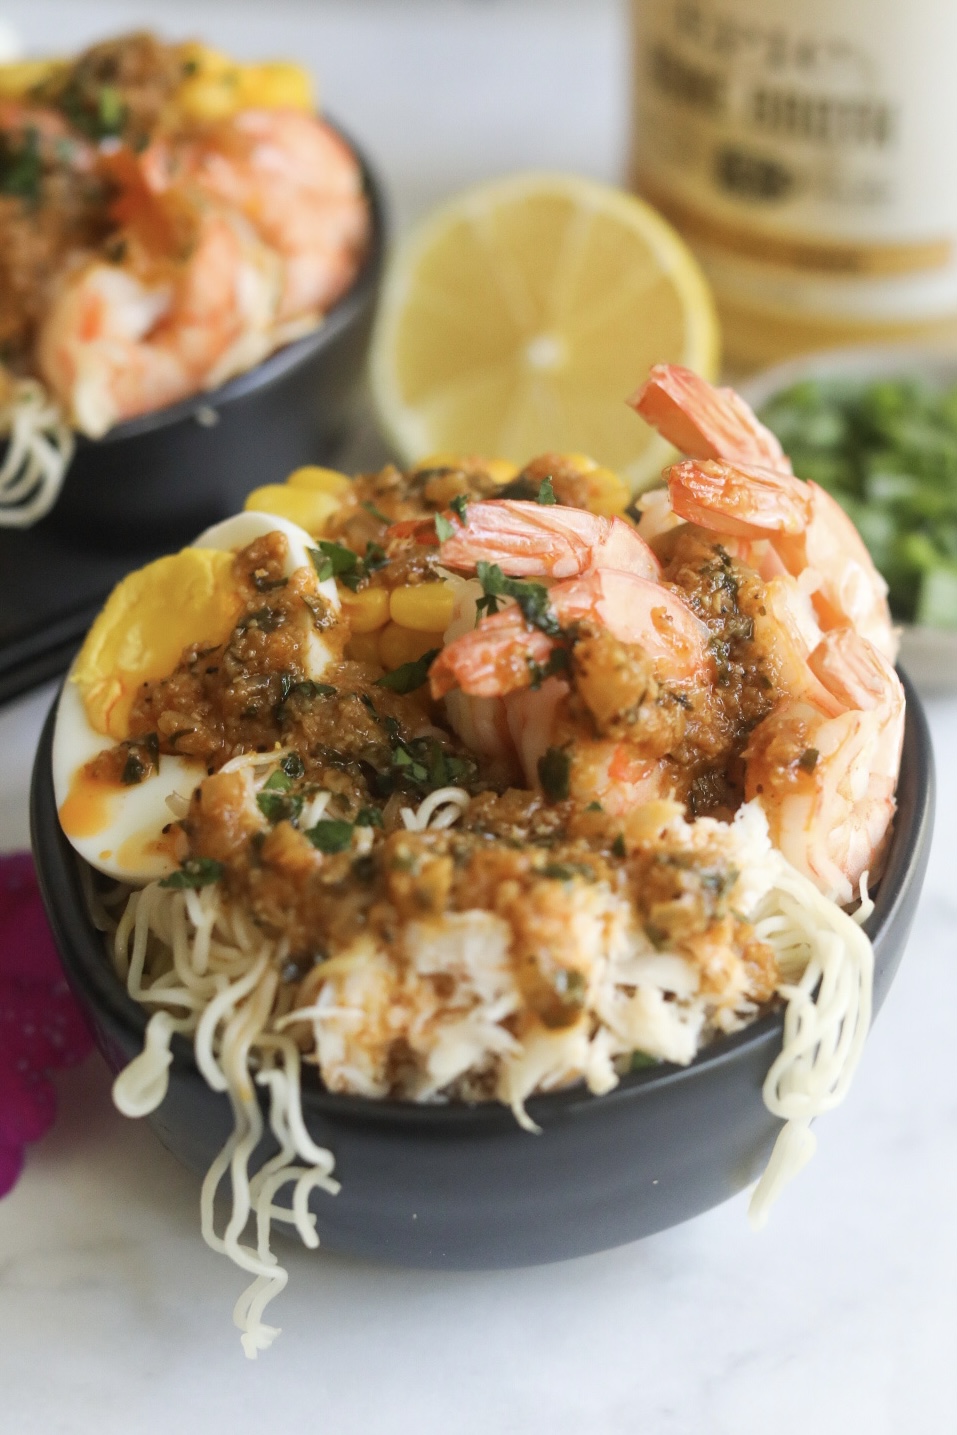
{"x":122,"y":847}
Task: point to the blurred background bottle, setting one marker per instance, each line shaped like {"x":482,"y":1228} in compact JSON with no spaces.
{"x":808,"y":152}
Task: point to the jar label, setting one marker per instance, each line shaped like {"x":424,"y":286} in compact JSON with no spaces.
{"x":815,"y":142}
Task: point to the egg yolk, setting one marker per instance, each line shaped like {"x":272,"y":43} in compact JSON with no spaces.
{"x":150,"y":617}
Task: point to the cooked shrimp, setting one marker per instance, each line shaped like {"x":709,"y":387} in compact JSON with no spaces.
{"x":532,"y":539}
{"x":504,"y":652}
{"x":294,"y":180}
{"x":127,"y":338}
{"x":705,"y":422}
{"x":826,"y":781}
{"x":737,"y":482}
{"x":624,"y":724}
{"x":614,"y":772}
{"x":806,"y":531}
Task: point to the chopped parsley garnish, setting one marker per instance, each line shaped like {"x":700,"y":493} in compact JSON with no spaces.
{"x":807,"y":762}
{"x":618,"y":848}
{"x":267,"y":620}
{"x":369,"y":817}
{"x":554,"y":771}
{"x":277,"y":781}
{"x":21,"y":167}
{"x":443,"y":528}
{"x":557,"y":663}
{"x":334,"y":560}
{"x":565,"y":871}
{"x":409,"y":676}
{"x":459,"y":504}
{"x":532,"y":598}
{"x":331,"y":835}
{"x":195,"y":872}
{"x":640,"y":1061}
{"x":290,"y":686}
{"x":545,"y":494}
{"x":142,"y":758}
{"x":377,"y":513}
{"x":262,"y":581}
{"x":97,"y":111}
{"x":423,"y":763}
{"x":293,"y":766}
{"x":279,"y":805}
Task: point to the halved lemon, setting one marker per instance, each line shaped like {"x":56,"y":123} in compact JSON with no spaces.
{"x":517,"y":318}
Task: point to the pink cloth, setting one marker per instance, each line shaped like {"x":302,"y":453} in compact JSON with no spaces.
{"x":40,"y":1025}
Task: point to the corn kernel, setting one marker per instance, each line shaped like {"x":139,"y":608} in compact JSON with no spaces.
{"x":20,"y":76}
{"x":311,"y":510}
{"x":363,"y":648}
{"x":367,"y":610}
{"x":499,"y":470}
{"x":320,"y":480}
{"x":208,"y":97}
{"x":581,"y":462}
{"x":276,"y":84}
{"x":607,"y":493}
{"x":402,"y":645}
{"x":424,"y":607}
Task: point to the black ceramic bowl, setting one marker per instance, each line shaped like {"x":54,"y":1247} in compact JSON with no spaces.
{"x":464,"y":1186}
{"x":172,"y":473}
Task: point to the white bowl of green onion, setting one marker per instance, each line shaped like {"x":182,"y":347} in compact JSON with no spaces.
{"x":877,"y":427}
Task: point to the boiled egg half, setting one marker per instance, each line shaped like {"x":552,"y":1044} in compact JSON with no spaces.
{"x":148,"y":620}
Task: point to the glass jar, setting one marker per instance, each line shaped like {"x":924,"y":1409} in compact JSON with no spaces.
{"x":809,"y":154}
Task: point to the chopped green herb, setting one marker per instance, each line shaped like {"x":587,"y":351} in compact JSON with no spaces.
{"x":545,"y":494}
{"x":377,"y":514}
{"x":569,"y":984}
{"x":594,"y":807}
{"x":266,"y":619}
{"x":459,"y":504}
{"x":618,"y":848}
{"x":278,"y":805}
{"x":332,"y":560}
{"x":369,"y":817}
{"x":421,"y":763}
{"x":443,"y":528}
{"x":565,"y":871}
{"x":21,"y":167}
{"x":640,"y":1061}
{"x":532,"y":598}
{"x":554,"y":772}
{"x":331,"y":835}
{"x":409,"y":676}
{"x":887,"y":451}
{"x":112,"y":111}
{"x":557,"y":663}
{"x":807,"y":762}
{"x":261,"y":579}
{"x":277,"y":781}
{"x":293,"y":765}
{"x":195,"y":872}
{"x":142,"y":758}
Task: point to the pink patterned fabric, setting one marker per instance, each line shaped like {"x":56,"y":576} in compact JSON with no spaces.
{"x":40,"y":1025}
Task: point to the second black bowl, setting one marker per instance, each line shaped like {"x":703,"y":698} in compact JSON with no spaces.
{"x":164,"y":476}
{"x":461,"y":1186}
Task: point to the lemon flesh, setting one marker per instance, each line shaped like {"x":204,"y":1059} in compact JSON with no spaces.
{"x":517,"y":319}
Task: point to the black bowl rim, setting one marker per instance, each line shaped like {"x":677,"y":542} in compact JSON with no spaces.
{"x":276,"y":365}
{"x":93,"y":972}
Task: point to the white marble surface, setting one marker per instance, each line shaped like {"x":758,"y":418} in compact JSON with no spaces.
{"x":840,"y":1318}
